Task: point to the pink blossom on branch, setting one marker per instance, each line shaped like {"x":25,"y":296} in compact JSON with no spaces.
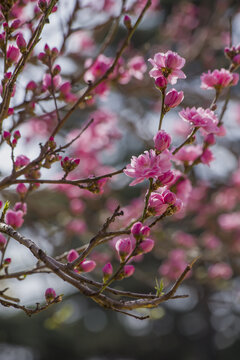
{"x":148,"y":165}
{"x":218,"y":79}
{"x":203,"y":118}
{"x":169,"y":65}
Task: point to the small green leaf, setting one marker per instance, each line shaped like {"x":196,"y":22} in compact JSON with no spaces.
{"x":5,"y":209}
{"x":159,"y":287}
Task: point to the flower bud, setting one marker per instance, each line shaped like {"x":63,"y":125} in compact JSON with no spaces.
{"x":16,"y":134}
{"x":161,"y":82}
{"x":107,"y":271}
{"x":136,"y":229}
{"x":128,"y":270}
{"x":50,"y":295}
{"x":3,"y":242}
{"x":124,"y":248}
{"x":162,"y":141}
{"x":21,"y":189}
{"x":127,"y":22}
{"x":86,"y":266}
{"x":72,"y":255}
{"x":145,"y":231}
{"x":145,"y":246}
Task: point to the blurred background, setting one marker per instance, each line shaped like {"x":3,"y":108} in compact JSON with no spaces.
{"x":206,"y":325}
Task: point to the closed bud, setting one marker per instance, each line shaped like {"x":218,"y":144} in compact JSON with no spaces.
{"x":107,"y":271}
{"x":124,"y":248}
{"x":72,"y":255}
{"x":50,"y":295}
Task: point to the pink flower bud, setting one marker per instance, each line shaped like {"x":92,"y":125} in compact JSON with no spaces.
{"x":107,"y":271}
{"x":162,"y":141}
{"x":14,"y":142}
{"x":178,"y":205}
{"x":7,"y":261}
{"x":8,"y":75}
{"x":124,"y":248}
{"x":15,"y":24}
{"x":127,"y":22}
{"x":173,"y":98}
{"x":16,"y":134}
{"x":210,"y":139}
{"x":6,"y":135}
{"x":86,"y":266}
{"x":72,"y":255}
{"x":13,"y":54}
{"x":169,"y":197}
{"x":20,"y":206}
{"x":2,"y":242}
{"x":21,"y":43}
{"x":21,"y":189}
{"x":128,"y":270}
{"x":65,"y":88}
{"x":146,"y":246}
{"x":21,"y":160}
{"x":145,"y":231}
{"x":166,"y":178}
{"x":10,"y":111}
{"x":136,"y":229}
{"x":161,"y":82}
{"x":31,"y":86}
{"x":56,"y":70}
{"x":50,"y":295}
{"x":236,"y":59}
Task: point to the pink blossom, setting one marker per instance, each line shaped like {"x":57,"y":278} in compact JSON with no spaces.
{"x":128,"y":270}
{"x":169,"y":197}
{"x":13,"y":54}
{"x":21,"y":189}
{"x":136,"y":229}
{"x":20,"y":206}
{"x":166,"y":178}
{"x":218,"y":79}
{"x":204,"y":118}
{"x":236,"y":59}
{"x":148,"y":165}
{"x":31,"y":85}
{"x":189,"y":153}
{"x":207,"y":156}
{"x":168,"y":65}
{"x":145,"y":231}
{"x":86,"y":266}
{"x":145,"y":246}
{"x":21,"y":43}
{"x":161,"y":82}
{"x":137,"y":67}
{"x":50,"y":295}
{"x":107,"y":271}
{"x":21,"y":160}
{"x":72,"y":255}
{"x":2,"y":242}
{"x":124,"y":248}
{"x":173,"y":98}
{"x":156,"y":204}
{"x":14,"y":218}
{"x":220,"y":270}
{"x":162,"y":140}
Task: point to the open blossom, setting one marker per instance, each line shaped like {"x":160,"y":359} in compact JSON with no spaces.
{"x":148,"y":165}
{"x":21,"y":160}
{"x":204,"y":118}
{"x":14,"y":218}
{"x":169,"y":65}
{"x":218,"y":79}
